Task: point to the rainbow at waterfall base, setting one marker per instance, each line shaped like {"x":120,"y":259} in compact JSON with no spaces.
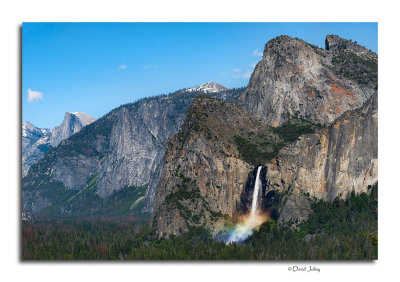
{"x":248,"y":223}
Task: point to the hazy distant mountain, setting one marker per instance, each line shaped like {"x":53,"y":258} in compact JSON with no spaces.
{"x":37,"y":141}
{"x":72,"y":123}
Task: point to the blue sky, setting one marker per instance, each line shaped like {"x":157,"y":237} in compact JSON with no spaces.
{"x":95,"y":67}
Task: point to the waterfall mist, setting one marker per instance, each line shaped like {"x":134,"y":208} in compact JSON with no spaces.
{"x":244,"y":228}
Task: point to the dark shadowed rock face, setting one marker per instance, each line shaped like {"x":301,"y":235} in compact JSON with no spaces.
{"x":329,"y":163}
{"x":296,"y":78}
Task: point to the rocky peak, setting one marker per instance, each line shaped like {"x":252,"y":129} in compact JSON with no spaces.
{"x":297,"y":79}
{"x":72,"y":123}
{"x":337,"y":45}
{"x":35,"y":143}
{"x":283,"y":44}
{"x":209,"y":87}
{"x":26,"y":126}
{"x":29,"y":130}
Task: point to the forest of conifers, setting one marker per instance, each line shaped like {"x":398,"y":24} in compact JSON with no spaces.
{"x":340,"y":230}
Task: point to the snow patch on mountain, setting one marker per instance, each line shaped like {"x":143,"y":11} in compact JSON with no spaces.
{"x":37,"y":141}
{"x":209,"y":87}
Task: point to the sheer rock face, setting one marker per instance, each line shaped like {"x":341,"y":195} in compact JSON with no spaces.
{"x":203,"y":175}
{"x":123,"y":149}
{"x":296,"y":78}
{"x":138,"y":141}
{"x":329,"y":163}
{"x":72,"y":123}
{"x":35,"y":144}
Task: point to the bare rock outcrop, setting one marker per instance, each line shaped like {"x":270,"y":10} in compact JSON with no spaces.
{"x":295,"y":78}
{"x":72,"y":123}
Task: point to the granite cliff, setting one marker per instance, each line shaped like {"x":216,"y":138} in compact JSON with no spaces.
{"x":329,"y":163}
{"x":72,"y":123}
{"x":295,"y":78}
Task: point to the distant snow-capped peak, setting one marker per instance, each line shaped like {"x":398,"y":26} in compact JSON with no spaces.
{"x":29,"y":130}
{"x":209,"y":87}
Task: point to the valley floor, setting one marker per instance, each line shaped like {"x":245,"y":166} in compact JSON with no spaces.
{"x":341,"y":230}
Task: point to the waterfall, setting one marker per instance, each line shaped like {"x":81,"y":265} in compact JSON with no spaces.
{"x":257,"y":187}
{"x":250,"y":222}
